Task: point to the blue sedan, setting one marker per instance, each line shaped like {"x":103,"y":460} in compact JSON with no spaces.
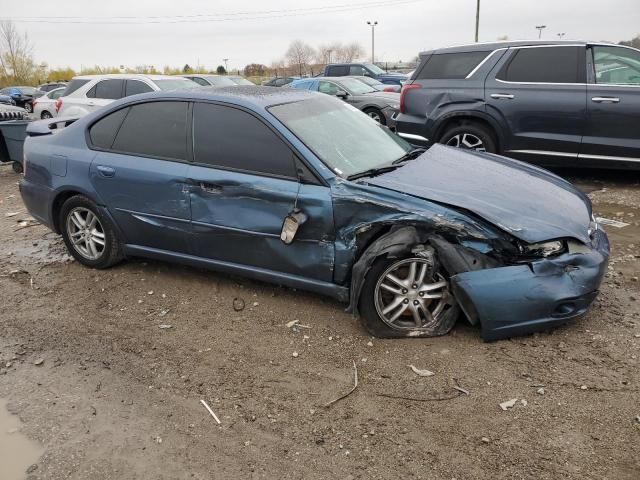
{"x":306,"y":191}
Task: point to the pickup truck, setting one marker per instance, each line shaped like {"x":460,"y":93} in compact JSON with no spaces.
{"x":364,"y":69}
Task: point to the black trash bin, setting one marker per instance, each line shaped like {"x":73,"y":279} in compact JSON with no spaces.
{"x":12,"y":135}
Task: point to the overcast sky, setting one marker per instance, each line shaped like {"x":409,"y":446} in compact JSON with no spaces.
{"x":403,"y":30}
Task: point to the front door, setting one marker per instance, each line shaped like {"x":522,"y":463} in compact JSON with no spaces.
{"x":540,"y":94}
{"x":244,"y":183}
{"x":613,"y":99}
{"x":104,"y":92}
{"x":140,"y":172}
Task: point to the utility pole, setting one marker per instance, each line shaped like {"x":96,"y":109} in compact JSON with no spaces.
{"x":226,"y":69}
{"x":373,"y":39}
{"x":540,"y":28}
{"x":477,"y":19}
{"x":329,"y":53}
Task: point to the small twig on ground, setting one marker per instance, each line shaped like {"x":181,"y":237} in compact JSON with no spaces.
{"x":210,"y":411}
{"x":355,"y":385}
{"x":412,"y":399}
{"x":459,"y":388}
{"x":26,"y":226}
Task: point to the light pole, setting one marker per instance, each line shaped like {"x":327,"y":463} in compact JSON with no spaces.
{"x":477,"y":19}
{"x":373,"y":37}
{"x":540,"y":28}
{"x":329,"y":54}
{"x":560,"y":35}
{"x":226,"y":69}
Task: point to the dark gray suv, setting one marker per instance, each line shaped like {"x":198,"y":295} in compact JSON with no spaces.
{"x":558,"y":103}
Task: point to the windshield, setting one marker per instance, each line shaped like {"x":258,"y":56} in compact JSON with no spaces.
{"x":219,"y":81}
{"x":345,"y":139}
{"x":356,"y":87}
{"x":374,"y":68}
{"x":240,"y":81}
{"x":174,"y":83}
{"x":27,"y":90}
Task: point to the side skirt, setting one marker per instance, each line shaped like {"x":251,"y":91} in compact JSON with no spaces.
{"x":262,"y":274}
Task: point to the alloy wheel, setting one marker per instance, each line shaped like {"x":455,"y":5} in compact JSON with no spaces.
{"x":468,"y":141}
{"x":46,"y":115}
{"x":375,"y":115}
{"x":86,"y":233}
{"x":410,"y":295}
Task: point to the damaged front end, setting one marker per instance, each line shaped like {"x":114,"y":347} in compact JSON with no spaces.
{"x":508,"y":286}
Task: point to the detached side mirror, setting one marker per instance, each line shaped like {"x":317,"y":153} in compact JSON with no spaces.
{"x":291,"y":224}
{"x":342,"y":94}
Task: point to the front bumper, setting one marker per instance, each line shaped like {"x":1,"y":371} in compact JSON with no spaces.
{"x":520,"y":299}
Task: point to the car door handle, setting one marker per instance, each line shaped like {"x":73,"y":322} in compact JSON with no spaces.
{"x":605,"y":99}
{"x":505,"y":96}
{"x":106,"y":171}
{"x":210,"y":187}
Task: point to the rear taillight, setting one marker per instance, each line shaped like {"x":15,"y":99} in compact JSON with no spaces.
{"x":403,"y":94}
{"x":33,"y":104}
{"x":58,"y":105}
{"x":389,"y":89}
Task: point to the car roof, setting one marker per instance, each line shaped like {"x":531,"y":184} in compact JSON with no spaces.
{"x":124,"y":76}
{"x":475,"y":47}
{"x":251,"y":96}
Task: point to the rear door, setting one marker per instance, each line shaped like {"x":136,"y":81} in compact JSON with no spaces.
{"x":140,"y":170}
{"x":540,"y":93}
{"x":103,"y":93}
{"x":613,"y":99}
{"x":244,"y":183}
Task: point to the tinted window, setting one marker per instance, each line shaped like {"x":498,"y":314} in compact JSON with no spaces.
{"x":199,"y":81}
{"x":451,"y":65}
{"x":616,"y":65}
{"x":357,"y":70}
{"x":107,"y":89}
{"x":545,"y":64}
{"x":103,"y":132}
{"x":156,"y":129}
{"x":134,"y":87}
{"x":74,"y":85}
{"x":231,"y":138}
{"x":338,"y":71}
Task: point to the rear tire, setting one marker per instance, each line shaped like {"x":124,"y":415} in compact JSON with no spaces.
{"x":88,"y":234}
{"x":28,"y":107}
{"x":470,"y":136}
{"x":424,"y":304}
{"x":45,"y":115}
{"x":17,"y":167}
{"x":376,"y":114}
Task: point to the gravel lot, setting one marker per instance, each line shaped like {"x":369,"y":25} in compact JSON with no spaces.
{"x":117,"y":397}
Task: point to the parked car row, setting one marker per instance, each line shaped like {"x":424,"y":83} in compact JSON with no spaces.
{"x":22,"y":96}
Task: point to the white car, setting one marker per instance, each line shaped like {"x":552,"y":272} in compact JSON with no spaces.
{"x":45,"y":106}
{"x":86,"y":93}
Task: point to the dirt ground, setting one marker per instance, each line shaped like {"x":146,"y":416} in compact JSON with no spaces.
{"x":118,"y":397}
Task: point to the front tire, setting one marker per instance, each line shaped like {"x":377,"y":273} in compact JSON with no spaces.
{"x":45,"y":115}
{"x":17,"y":167}
{"x":88,"y":234}
{"x":408,"y":297}
{"x":470,"y":136}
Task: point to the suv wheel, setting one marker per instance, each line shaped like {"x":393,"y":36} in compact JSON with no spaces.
{"x":408,"y":297}
{"x":88,"y":235}
{"x":470,"y":136}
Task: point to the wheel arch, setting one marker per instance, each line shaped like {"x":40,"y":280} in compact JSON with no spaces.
{"x":459,"y":119}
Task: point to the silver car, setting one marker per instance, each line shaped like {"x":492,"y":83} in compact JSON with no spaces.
{"x":45,"y":106}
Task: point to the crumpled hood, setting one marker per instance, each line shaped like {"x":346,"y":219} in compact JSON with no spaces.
{"x":528,"y":202}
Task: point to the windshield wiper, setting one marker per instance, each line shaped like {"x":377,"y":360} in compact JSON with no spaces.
{"x":410,"y":155}
{"x":372,"y":172}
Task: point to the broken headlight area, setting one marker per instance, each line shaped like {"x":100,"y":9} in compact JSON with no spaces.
{"x":542,"y":249}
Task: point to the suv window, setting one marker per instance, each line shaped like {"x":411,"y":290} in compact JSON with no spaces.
{"x":199,"y":81}
{"x":74,"y":85}
{"x":616,"y":65}
{"x":103,"y":132}
{"x":545,"y":65}
{"x":231,"y":138}
{"x":451,"y":65}
{"x":338,"y":71}
{"x":107,"y":89}
{"x":358,"y":70}
{"x":155,"y":129}
{"x":133,"y":87}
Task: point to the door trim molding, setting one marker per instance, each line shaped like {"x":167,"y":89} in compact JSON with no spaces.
{"x":575,"y":155}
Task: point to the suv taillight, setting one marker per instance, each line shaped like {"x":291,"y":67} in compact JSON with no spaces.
{"x":403,"y":94}
{"x":58,"y":104}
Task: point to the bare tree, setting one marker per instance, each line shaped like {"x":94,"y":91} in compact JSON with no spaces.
{"x":328,"y":53}
{"x":299,"y":54}
{"x":16,"y":59}
{"x":350,"y":52}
